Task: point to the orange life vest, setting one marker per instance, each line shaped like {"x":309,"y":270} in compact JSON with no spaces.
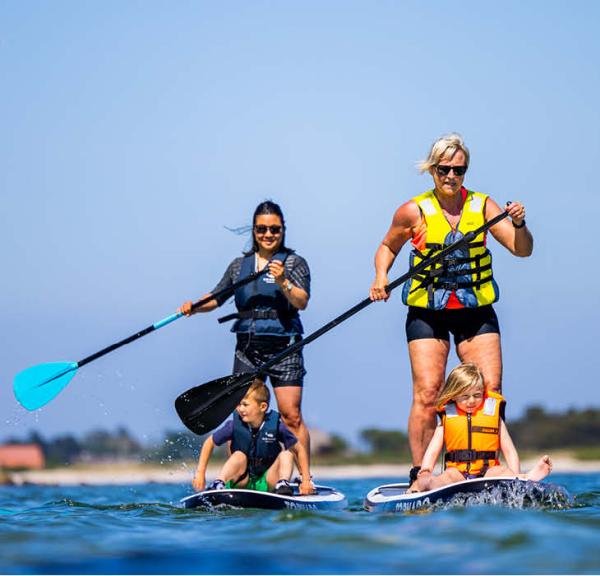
{"x":472,"y":441}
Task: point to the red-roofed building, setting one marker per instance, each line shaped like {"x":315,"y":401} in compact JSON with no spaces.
{"x":21,"y":456}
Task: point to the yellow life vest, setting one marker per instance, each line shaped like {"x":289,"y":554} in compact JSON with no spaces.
{"x":472,"y":441}
{"x":466,"y":271}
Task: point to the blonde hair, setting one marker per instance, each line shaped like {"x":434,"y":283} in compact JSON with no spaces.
{"x":447,"y":145}
{"x":462,"y":378}
{"x":259,"y":390}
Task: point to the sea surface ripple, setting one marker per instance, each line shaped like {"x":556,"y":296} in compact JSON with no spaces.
{"x":143,"y":530}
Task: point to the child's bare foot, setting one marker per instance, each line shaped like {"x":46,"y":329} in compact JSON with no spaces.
{"x":541,"y":469}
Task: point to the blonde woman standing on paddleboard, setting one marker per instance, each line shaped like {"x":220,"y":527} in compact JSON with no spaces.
{"x":455,"y":296}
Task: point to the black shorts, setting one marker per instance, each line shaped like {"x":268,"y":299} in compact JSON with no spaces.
{"x":463,"y":323}
{"x":252,"y":351}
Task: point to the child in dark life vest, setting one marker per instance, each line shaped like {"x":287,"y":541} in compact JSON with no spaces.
{"x":471,"y":428}
{"x":257,"y":461}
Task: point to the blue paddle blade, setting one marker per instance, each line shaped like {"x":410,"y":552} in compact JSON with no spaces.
{"x":39,"y":384}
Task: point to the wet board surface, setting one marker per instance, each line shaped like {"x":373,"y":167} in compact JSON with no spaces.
{"x":507,"y":491}
{"x":326,"y":498}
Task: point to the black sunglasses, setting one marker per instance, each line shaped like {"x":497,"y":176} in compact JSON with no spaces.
{"x":445,"y":170}
{"x":262,"y":229}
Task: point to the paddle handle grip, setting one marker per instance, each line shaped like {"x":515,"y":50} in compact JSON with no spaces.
{"x":167,"y":320}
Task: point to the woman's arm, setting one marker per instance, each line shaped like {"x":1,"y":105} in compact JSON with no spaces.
{"x":511,"y":456}
{"x":186,"y":307}
{"x":199,"y":481}
{"x":295,"y":295}
{"x":226,"y":281}
{"x":518,"y":241}
{"x":405,"y":220}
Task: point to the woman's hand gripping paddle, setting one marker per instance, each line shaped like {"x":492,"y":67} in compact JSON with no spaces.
{"x":36,"y":386}
{"x":204,"y":407}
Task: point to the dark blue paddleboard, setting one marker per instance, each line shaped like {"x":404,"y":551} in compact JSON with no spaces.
{"x":325,"y":499}
{"x":508,"y":491}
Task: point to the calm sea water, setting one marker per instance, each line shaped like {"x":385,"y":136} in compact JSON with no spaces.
{"x":142,"y":529}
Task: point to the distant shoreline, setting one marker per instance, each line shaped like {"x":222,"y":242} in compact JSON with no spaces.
{"x":132,"y":474}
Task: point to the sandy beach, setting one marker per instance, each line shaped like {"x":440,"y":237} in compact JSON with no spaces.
{"x":141,"y":474}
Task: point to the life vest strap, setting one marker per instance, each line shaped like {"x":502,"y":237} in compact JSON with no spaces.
{"x":432,"y":283}
{"x":250,"y":314}
{"x":443,"y":267}
{"x":470,"y":455}
{"x":457,"y":285}
{"x":435,"y":247}
{"x":453,"y":261}
{"x":443,"y":271}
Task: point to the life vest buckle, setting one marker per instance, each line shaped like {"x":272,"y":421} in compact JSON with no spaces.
{"x":461,"y":456}
{"x":470,"y":455}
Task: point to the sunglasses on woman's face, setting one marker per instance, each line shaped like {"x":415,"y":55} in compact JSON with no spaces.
{"x":262,"y":229}
{"x":443,"y":170}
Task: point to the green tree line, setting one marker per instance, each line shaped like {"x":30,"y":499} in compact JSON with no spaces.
{"x":537,"y":429}
{"x":541,"y":430}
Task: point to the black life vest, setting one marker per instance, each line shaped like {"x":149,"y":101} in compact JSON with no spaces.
{"x":260,"y":446}
{"x":262,"y":307}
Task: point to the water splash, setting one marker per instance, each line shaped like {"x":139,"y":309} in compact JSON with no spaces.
{"x":519,"y":495}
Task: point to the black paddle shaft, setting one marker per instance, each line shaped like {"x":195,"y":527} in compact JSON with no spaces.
{"x":467,"y":238}
{"x":204,"y":407}
{"x":226,"y":292}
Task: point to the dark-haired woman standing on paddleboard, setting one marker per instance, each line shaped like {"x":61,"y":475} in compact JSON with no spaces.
{"x":457,"y":295}
{"x":267,"y":319}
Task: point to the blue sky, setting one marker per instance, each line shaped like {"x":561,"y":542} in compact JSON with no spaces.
{"x":133,"y":133}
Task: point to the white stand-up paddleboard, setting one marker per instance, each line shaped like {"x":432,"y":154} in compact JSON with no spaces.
{"x":503,"y":490}
{"x":325,"y":498}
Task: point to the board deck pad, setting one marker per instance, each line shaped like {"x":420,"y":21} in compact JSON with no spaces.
{"x":505,"y":491}
{"x":325,"y":498}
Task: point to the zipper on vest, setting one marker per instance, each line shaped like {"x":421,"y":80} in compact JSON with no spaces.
{"x":469,"y":439}
{"x":252,"y":459}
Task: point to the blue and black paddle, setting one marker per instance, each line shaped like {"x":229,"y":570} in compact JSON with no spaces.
{"x":204,"y":407}
{"x":36,"y":386}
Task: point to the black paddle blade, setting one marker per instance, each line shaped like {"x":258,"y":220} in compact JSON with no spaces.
{"x":204,"y":407}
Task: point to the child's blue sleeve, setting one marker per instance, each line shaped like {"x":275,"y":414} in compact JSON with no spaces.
{"x":223,"y":434}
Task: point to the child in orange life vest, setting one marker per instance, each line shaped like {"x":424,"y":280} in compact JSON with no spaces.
{"x":471,"y":426}
{"x":257,"y":461}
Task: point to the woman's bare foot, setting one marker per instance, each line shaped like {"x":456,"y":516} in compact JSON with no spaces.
{"x":541,"y":469}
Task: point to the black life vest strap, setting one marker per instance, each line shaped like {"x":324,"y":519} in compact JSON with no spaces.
{"x":459,"y":284}
{"x":424,"y":281}
{"x":479,"y":268}
{"x":269,"y":314}
{"x":437,"y":247}
{"x":443,"y":271}
{"x":470,"y":455}
{"x":431,"y":283}
{"x":454,"y":261}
